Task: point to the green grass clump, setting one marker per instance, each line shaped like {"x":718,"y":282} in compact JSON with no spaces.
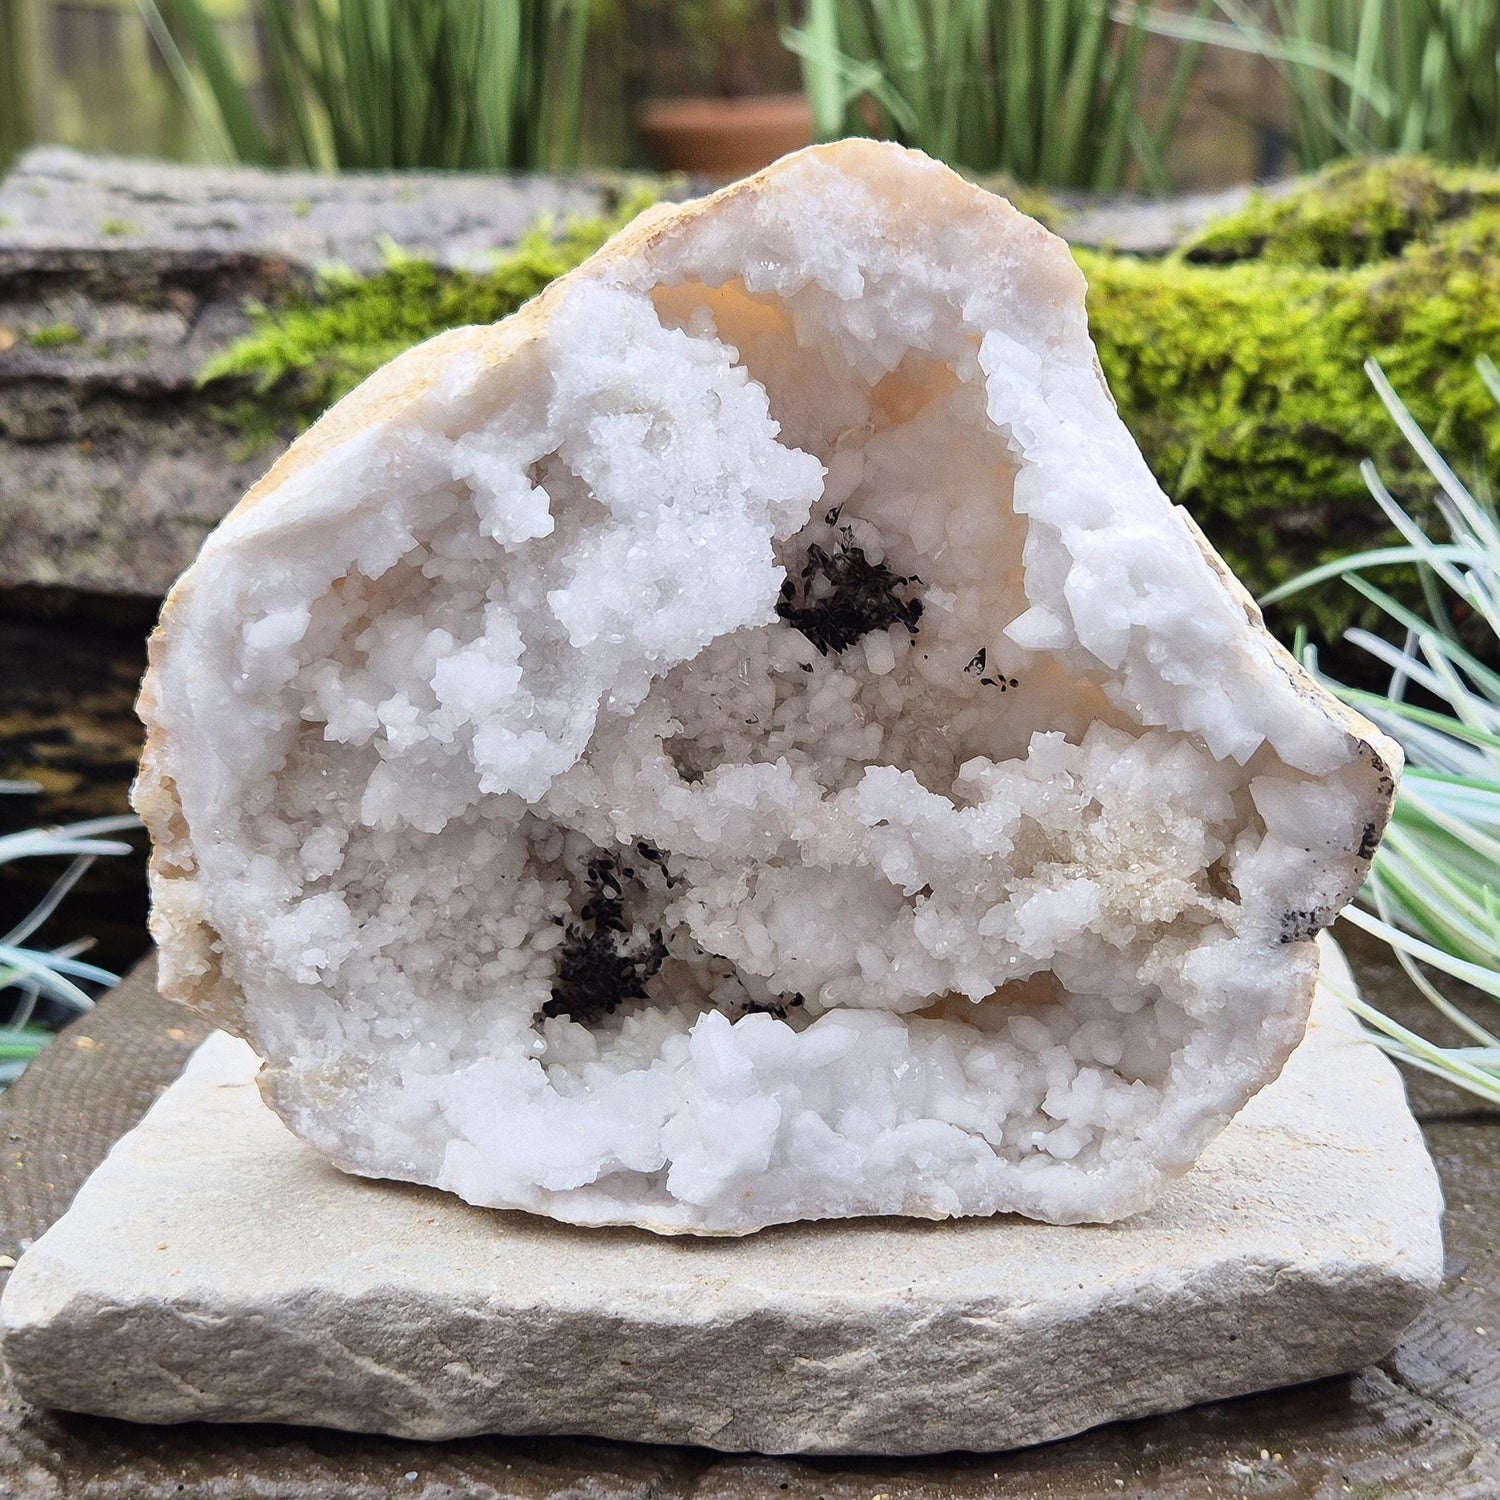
{"x":1433,"y":893}
{"x":29,"y":973}
{"x":1368,"y":76}
{"x":1050,"y":91}
{"x":387,"y":83}
{"x":1237,"y":363}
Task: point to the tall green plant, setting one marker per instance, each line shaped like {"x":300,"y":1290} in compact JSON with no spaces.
{"x":1048,"y":91}
{"x":29,"y":974}
{"x":1434,"y":890}
{"x":1372,"y":76}
{"x":477,"y":84}
{"x":719,"y":32}
{"x":15,"y":83}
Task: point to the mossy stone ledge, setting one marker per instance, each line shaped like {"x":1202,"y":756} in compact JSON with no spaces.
{"x":319,"y":342}
{"x":1238,"y":362}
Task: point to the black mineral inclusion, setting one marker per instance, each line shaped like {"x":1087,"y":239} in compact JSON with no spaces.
{"x":599,"y":964}
{"x":842,"y":596}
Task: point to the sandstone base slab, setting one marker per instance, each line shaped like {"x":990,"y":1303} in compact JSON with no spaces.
{"x":215,"y":1268}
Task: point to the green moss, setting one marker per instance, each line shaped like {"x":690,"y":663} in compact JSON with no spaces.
{"x":53,"y":336}
{"x":1237,"y":363}
{"x":116,"y":227}
{"x":1244,"y":381}
{"x":304,"y":354}
{"x":1352,"y":214}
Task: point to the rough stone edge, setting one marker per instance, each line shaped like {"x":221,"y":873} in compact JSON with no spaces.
{"x":154,"y":1354}
{"x":61,"y":202}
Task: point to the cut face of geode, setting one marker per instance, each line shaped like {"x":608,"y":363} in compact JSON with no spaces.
{"x":747,"y":739}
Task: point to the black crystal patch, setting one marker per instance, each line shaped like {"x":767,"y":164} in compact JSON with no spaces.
{"x":778,"y":1009}
{"x":601,"y":962}
{"x":652,"y":855}
{"x":976,"y":668}
{"x":842,"y":596}
{"x":1298,"y":926}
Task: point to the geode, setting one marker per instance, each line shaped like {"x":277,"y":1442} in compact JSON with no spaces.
{"x":748,"y":739}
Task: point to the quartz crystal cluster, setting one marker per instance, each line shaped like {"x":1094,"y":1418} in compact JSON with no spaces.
{"x":748,"y":739}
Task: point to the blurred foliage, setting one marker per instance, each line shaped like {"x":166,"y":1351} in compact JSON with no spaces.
{"x":719,"y":31}
{"x":1050,"y":91}
{"x":15,"y":82}
{"x":1371,"y":76}
{"x":390,"y":83}
{"x":1053,"y":91}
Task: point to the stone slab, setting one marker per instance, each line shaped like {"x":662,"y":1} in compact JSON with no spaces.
{"x":59,"y":201}
{"x":215,"y":1268}
{"x":1424,"y":1424}
{"x":1135,"y":225}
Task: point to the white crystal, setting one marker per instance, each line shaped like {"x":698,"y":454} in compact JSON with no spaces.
{"x":1005,"y":906}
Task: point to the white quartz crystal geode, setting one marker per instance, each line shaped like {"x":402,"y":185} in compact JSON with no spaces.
{"x":747,"y":739}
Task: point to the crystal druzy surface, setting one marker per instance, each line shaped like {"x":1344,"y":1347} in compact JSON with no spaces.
{"x":748,"y":739}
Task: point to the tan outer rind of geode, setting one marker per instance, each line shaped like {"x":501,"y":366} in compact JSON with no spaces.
{"x":191,"y":969}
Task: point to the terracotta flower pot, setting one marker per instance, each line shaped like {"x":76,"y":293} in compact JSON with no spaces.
{"x":714,"y":137}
